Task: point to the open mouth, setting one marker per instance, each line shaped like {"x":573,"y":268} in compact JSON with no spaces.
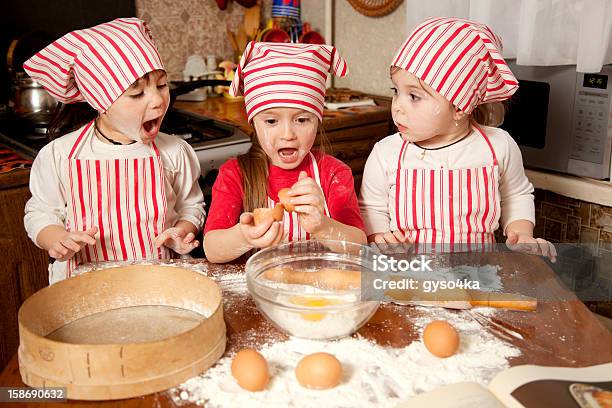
{"x":151,"y":127}
{"x":288,"y":155}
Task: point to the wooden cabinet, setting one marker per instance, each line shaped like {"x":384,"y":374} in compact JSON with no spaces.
{"x":353,"y":140}
{"x":353,"y":146}
{"x":23,"y":267}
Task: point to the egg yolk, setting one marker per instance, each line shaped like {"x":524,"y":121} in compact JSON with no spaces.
{"x":314,"y":302}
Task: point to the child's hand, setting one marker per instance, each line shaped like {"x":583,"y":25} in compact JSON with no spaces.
{"x":388,"y":241}
{"x":264,"y":235}
{"x":523,"y":242}
{"x":309,"y":202}
{"x":392,"y":237}
{"x":177,"y":239}
{"x":72,"y":242}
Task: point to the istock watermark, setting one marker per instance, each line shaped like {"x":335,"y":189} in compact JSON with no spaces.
{"x":426,"y":286}
{"x":399,"y":272}
{"x":384,"y":263}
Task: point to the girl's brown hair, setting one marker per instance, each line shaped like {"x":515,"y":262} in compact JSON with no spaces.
{"x":69,"y":117}
{"x":254,"y":170}
{"x":487,"y":114}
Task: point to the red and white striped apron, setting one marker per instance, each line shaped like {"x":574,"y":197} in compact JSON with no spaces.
{"x":447,"y":210}
{"x":293,"y":229}
{"x":124,"y":198}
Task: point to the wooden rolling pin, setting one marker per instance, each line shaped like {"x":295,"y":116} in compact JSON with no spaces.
{"x":498,"y":300}
{"x":338,"y":279}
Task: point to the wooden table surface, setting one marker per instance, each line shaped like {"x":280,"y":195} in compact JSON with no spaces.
{"x":562,"y":332}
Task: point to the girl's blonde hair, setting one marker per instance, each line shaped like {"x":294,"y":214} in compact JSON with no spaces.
{"x":487,"y":114}
{"x":254,"y":170}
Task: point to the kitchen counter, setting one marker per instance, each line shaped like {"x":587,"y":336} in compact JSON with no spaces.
{"x":581,"y":188}
{"x":15,"y":178}
{"x":559,"y":333}
{"x":233,"y":112}
{"x":14,"y":167}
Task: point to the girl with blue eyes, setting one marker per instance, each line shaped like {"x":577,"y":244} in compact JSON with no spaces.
{"x":449,"y":178}
{"x":284,"y":90}
{"x":114,"y":187}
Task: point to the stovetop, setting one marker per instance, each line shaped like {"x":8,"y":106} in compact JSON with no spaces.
{"x":21,"y":134}
{"x":200,"y":132}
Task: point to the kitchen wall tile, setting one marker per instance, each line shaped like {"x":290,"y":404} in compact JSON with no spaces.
{"x":605,"y":240}
{"x":572,"y":232}
{"x":601,"y":217}
{"x":582,"y":221}
{"x":569,"y":201}
{"x":166,"y":8}
{"x":185,"y":16}
{"x":183,"y":28}
{"x":554,"y":231}
{"x":169,"y":34}
{"x":589,"y":235}
{"x":584,"y":212}
{"x":556,"y":212}
{"x":538,"y":230}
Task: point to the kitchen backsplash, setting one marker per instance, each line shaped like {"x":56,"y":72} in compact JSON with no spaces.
{"x":186,"y":27}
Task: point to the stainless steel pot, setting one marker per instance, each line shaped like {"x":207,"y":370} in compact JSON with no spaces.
{"x":29,"y":100}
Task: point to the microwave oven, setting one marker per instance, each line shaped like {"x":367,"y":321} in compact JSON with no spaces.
{"x":562,"y":119}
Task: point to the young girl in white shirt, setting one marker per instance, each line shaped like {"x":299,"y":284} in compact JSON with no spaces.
{"x":115,"y":188}
{"x":448,"y":179}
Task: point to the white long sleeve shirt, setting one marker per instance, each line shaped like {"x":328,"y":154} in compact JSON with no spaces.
{"x":50,"y":191}
{"x":378,"y":184}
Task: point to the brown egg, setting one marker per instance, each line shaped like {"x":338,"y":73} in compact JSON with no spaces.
{"x":441,"y":339}
{"x":262,"y":214}
{"x":319,"y":371}
{"x":250,"y":369}
{"x":284,"y":199}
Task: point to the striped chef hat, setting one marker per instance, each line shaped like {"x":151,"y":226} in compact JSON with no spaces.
{"x":460,"y":59}
{"x":285,"y":75}
{"x":97,"y":64}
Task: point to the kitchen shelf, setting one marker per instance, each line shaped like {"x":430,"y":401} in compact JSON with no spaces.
{"x":581,"y":188}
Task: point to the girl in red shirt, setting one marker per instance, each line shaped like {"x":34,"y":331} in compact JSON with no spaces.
{"x":284,"y":90}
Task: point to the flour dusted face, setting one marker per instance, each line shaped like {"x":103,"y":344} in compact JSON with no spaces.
{"x":419,"y":112}
{"x":286,"y":135}
{"x":138,"y":113}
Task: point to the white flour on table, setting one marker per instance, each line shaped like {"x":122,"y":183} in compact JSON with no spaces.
{"x":232,"y":282}
{"x":373,"y":375}
{"x":178,"y":263}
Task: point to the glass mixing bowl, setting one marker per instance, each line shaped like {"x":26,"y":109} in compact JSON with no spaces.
{"x":312,"y":289}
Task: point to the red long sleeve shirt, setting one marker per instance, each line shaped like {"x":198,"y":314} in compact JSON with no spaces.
{"x":336,"y":183}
